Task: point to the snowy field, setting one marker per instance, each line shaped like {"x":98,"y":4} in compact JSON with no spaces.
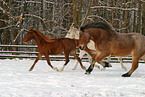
{"x":17,"y":81}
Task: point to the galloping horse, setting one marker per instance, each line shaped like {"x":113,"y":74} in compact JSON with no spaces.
{"x":74,"y":34}
{"x":48,"y":46}
{"x":108,"y":42}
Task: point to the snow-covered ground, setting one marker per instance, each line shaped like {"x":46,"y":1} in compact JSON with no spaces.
{"x":17,"y":81}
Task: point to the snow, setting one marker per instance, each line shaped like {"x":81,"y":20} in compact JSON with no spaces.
{"x":17,"y":81}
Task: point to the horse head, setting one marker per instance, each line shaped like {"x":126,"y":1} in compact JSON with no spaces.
{"x":29,"y":36}
{"x":84,"y":39}
{"x":73,"y":33}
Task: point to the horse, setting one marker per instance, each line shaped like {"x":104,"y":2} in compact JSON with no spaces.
{"x":74,"y":34}
{"x":49,"y":46}
{"x":108,"y":42}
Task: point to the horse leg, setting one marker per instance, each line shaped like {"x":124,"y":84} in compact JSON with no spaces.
{"x":36,"y":60}
{"x":107,"y":63}
{"x":109,"y":58}
{"x":101,"y":57}
{"x":98,"y":59}
{"x":90,"y":69}
{"x":133,"y":68}
{"x":48,"y":61}
{"x":79,"y":60}
{"x":91,"y":55}
{"x":143,"y":58}
{"x":82,"y":52}
{"x":91,"y":60}
{"x":121,"y":62}
{"x":66,"y":61}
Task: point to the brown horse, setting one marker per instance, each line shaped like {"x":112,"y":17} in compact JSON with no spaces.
{"x":108,"y":42}
{"x":48,"y":46}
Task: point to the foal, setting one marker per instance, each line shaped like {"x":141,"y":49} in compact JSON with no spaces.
{"x":48,"y":46}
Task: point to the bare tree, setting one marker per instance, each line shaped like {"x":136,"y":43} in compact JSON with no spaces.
{"x":54,"y":17}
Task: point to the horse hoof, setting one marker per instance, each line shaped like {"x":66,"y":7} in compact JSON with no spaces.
{"x":87,"y":73}
{"x":55,"y":68}
{"x":84,"y":68}
{"x":97,"y":66}
{"x":126,"y":75}
{"x":60,"y":71}
{"x":73,"y":69}
{"x":107,"y":64}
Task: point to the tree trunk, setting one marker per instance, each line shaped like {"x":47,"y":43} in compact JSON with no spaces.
{"x":139,"y":17}
{"x":74,"y":13}
{"x":87,"y":13}
{"x":143,"y":18}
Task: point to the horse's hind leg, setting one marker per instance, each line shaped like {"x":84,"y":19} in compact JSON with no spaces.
{"x":48,"y":61}
{"x":66,"y":61}
{"x":36,"y":60}
{"x":121,"y":62}
{"x":133,"y":68}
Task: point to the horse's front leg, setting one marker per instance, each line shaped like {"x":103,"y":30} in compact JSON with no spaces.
{"x":121,"y":62}
{"x":48,"y":61}
{"x":36,"y":60}
{"x":79,"y":60}
{"x":91,"y":67}
{"x":82,"y":52}
{"x":91,"y":60}
{"x":99,"y":59}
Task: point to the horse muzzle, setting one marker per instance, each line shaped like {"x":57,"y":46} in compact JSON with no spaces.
{"x":82,"y":47}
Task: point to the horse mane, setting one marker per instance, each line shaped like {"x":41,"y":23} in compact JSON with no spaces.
{"x":49,"y":37}
{"x":100,"y":25}
{"x":46,"y":38}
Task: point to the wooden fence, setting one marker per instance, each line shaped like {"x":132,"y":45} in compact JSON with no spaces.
{"x":30,"y":51}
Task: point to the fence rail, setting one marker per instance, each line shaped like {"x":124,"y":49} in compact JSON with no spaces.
{"x":24,"y":52}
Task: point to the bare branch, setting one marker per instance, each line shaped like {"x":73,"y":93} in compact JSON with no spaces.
{"x":7,"y":27}
{"x":114,"y":8}
{"x":87,"y":13}
{"x":38,"y":17}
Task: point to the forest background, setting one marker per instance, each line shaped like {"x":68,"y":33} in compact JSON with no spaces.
{"x":55,"y":17}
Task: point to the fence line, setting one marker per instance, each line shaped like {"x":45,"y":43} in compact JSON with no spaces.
{"x":24,"y":52}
